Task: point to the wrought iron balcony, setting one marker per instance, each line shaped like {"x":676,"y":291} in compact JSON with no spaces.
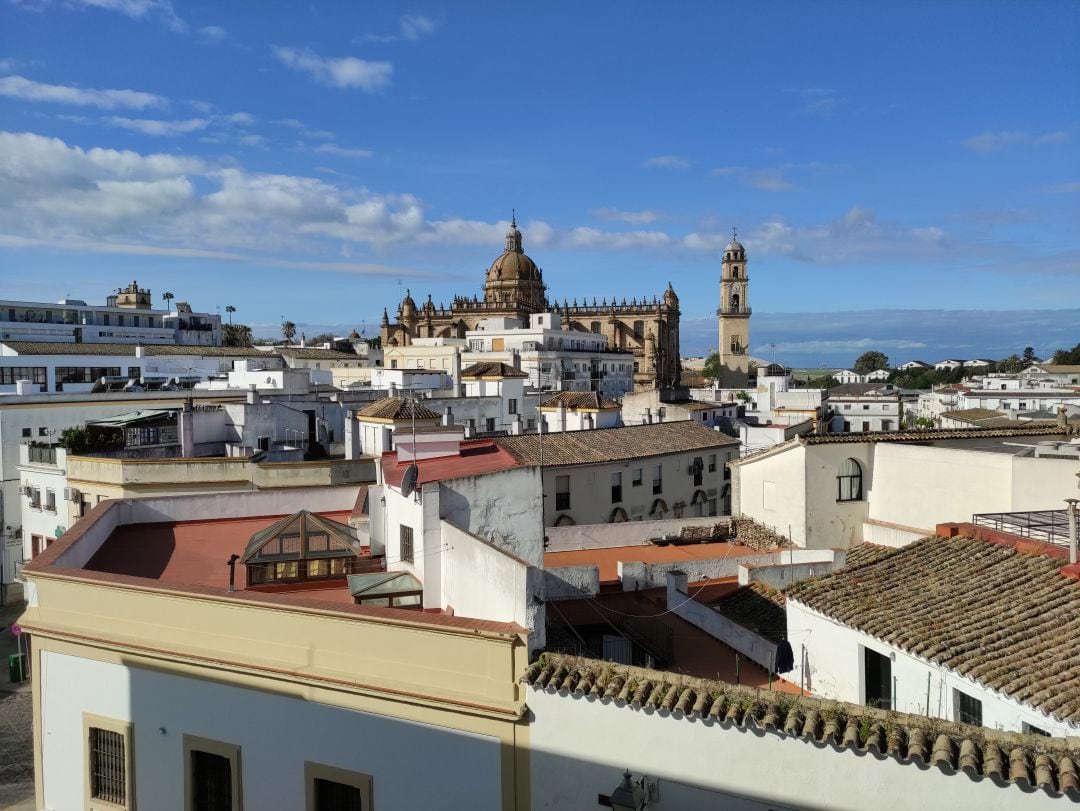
{"x":733,"y":310}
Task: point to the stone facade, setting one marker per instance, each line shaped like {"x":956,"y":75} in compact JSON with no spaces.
{"x":734,"y":318}
{"x":514,"y":288}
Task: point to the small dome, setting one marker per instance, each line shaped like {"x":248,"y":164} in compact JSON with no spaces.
{"x":735,"y":246}
{"x":354,"y":335}
{"x":670,"y":298}
{"x":408,"y":306}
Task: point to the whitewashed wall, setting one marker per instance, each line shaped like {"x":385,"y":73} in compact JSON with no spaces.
{"x":835,"y":669}
{"x":580,"y":747}
{"x":412,"y":765}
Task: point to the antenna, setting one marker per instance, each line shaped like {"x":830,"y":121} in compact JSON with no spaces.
{"x":408,"y":481}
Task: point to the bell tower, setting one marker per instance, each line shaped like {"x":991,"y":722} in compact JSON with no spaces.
{"x":734,"y":317}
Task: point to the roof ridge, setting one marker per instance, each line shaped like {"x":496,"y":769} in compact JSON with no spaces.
{"x":1004,"y":757}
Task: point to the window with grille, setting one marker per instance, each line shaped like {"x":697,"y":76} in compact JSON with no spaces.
{"x":334,"y":796}
{"x":968,"y":709}
{"x":406,"y":544}
{"x":330,"y":788}
{"x":212,"y":779}
{"x":108,"y":766}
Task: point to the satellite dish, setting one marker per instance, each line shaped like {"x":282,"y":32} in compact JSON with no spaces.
{"x":408,"y":481}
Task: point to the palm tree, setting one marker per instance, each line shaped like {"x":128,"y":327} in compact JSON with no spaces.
{"x":168,"y":297}
{"x":230,"y":310}
{"x":288,"y":330}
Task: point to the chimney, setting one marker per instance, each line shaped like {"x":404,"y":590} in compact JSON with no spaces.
{"x":455,"y":372}
{"x":515,"y":359}
{"x":187,"y":429}
{"x":470,"y":428}
{"x":1062,"y":418}
{"x":648,"y":416}
{"x":1072,"y":529}
{"x":252,"y":393}
{"x":561,"y":417}
{"x":588,"y":421}
{"x":515,"y":425}
{"x":139,"y":352}
{"x":352,"y":436}
{"x":23,"y":387}
{"x":448,"y":416}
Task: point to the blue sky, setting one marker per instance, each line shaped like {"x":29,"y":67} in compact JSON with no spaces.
{"x":313,"y":161}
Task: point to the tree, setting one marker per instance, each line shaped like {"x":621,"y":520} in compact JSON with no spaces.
{"x":230,"y":310}
{"x":76,"y":440}
{"x":322,"y":338}
{"x":870,"y":362}
{"x":1029,"y":356}
{"x":1067,"y":356}
{"x":288,"y":331}
{"x":712,"y":368}
{"x":168,"y":297}
{"x":237,"y":335}
{"x":1013,"y":363}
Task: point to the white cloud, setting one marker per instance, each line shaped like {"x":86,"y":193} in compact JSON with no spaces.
{"x":591,"y":238}
{"x":987,"y":142}
{"x":212,"y":34}
{"x":157,"y":10}
{"x":167,"y":129}
{"x":343,"y":152}
{"x":415,"y":26}
{"x":306,"y":131}
{"x":822,"y":101}
{"x":631,"y":217}
{"x":252,"y":139}
{"x":768,"y":179}
{"x":667,"y":162}
{"x":411,"y":27}
{"x":345,"y":72}
{"x":28,"y":90}
{"x":244,"y":119}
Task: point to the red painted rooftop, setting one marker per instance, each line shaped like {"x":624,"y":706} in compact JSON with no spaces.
{"x":476,"y":457}
{"x":191,"y":552}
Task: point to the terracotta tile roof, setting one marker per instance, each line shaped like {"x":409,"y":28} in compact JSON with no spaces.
{"x":306,"y":353}
{"x":397,"y":408}
{"x":615,"y":444}
{"x":973,"y":415}
{"x":475,"y":458}
{"x":757,"y":607}
{"x":1004,"y":757}
{"x":579,"y":399}
{"x":61,"y":348}
{"x":491,"y":369}
{"x":1007,"y":619}
{"x":866,"y":553}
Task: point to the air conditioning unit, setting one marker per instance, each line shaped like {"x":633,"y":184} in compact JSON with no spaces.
{"x":26,"y":490}
{"x":76,"y":495}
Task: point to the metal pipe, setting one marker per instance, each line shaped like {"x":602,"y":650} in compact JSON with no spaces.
{"x":1072,"y":529}
{"x":232,"y":571}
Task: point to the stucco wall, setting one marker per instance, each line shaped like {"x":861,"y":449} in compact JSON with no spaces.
{"x":772,"y":490}
{"x":580,"y":747}
{"x":754,"y":646}
{"x":503,"y":507}
{"x":627,"y":533}
{"x":836,"y":669}
{"x":571,"y":581}
{"x":276,"y":735}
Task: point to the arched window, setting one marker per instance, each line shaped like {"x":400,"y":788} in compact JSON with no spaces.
{"x":618,"y":516}
{"x":735,"y":272}
{"x":849,"y":481}
{"x":735,"y":302}
{"x":565,"y":521}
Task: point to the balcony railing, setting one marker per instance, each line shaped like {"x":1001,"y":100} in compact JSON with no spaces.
{"x":733,"y":310}
{"x":41,"y":454}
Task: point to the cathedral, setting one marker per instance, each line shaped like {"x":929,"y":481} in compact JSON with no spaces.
{"x":514,"y":288}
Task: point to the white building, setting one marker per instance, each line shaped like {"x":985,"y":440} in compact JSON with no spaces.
{"x":71,"y":367}
{"x":865,"y":407}
{"x":554,"y":358}
{"x":949,"y":364}
{"x":579,"y":411}
{"x":127,"y":317}
{"x":956,"y":628}
{"x":635,"y":473}
{"x":1054,"y":374}
{"x":674,"y":405}
{"x":916,"y":365}
{"x":892,"y":488}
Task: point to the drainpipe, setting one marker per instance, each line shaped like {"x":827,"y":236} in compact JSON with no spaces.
{"x":1072,"y":529}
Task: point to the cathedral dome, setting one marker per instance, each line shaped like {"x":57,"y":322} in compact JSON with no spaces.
{"x":513,"y":264}
{"x":735,"y":246}
{"x":408,"y":306}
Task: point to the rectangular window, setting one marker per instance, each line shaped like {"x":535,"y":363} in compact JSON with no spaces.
{"x":712,"y":462}
{"x":511,"y":406}
{"x":211,"y":775}
{"x":562,"y":492}
{"x":637,"y":477}
{"x":332,"y":789}
{"x":489,"y":425}
{"x":109,"y":776}
{"x":616,"y":488}
{"x":697,"y":468}
{"x":657,"y":479}
{"x":406,"y":536}
{"x":968,"y":709}
{"x":878,"y":679}
{"x":26,"y":433}
{"x":50,"y":500}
